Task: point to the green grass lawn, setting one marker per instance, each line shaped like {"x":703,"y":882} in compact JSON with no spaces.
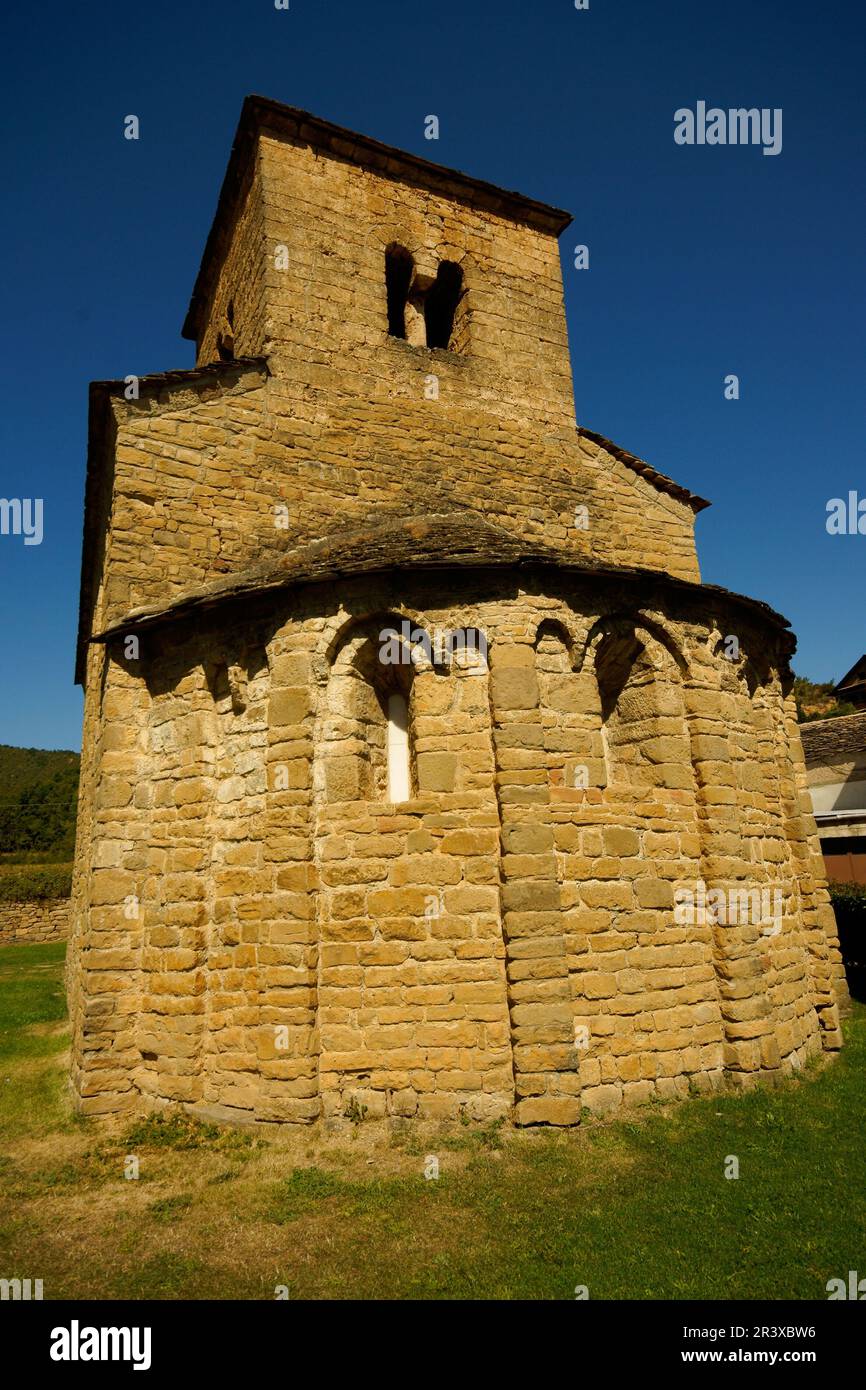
{"x":637,"y":1208}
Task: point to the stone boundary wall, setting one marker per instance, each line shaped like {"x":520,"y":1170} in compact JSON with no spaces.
{"x":34,"y":921}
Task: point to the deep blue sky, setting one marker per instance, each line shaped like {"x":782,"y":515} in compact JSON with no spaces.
{"x":704,"y":261}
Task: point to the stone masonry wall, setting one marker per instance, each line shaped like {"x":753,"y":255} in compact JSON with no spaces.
{"x":605,"y":884}
{"x":34,"y":921}
{"x":346,"y":422}
{"x":202,"y":469}
{"x":263,"y":934}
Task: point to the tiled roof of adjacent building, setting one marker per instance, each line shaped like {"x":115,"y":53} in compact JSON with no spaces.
{"x":833,"y":740}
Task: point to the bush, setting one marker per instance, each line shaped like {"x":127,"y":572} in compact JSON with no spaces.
{"x":57,"y":854}
{"x":849,"y":905}
{"x":39,"y":883}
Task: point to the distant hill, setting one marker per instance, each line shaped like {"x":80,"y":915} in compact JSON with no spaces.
{"x":816,"y":700}
{"x":38,"y":796}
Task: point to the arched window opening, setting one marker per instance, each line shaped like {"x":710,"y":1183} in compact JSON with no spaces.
{"x":369,"y":752}
{"x":570,"y":719}
{"x":399,"y":268}
{"x":423,"y":310}
{"x":440,"y":305}
{"x":642,"y":708}
{"x":615,"y":663}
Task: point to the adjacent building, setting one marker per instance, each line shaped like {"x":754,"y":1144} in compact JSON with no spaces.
{"x":835,"y":752}
{"x":852,"y":687}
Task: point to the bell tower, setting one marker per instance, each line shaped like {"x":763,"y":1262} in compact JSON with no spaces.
{"x":362,"y":271}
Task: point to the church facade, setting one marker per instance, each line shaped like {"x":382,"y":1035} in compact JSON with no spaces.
{"x":421,"y":775}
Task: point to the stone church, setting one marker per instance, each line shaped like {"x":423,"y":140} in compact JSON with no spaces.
{"x":422,"y":776}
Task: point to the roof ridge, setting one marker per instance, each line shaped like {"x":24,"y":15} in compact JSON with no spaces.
{"x":646,"y":470}
{"x":180,"y":375}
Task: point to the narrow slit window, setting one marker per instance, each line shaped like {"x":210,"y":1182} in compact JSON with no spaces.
{"x":440,"y":304}
{"x":226,"y":337}
{"x":399,"y":267}
{"x":399,"y":777}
